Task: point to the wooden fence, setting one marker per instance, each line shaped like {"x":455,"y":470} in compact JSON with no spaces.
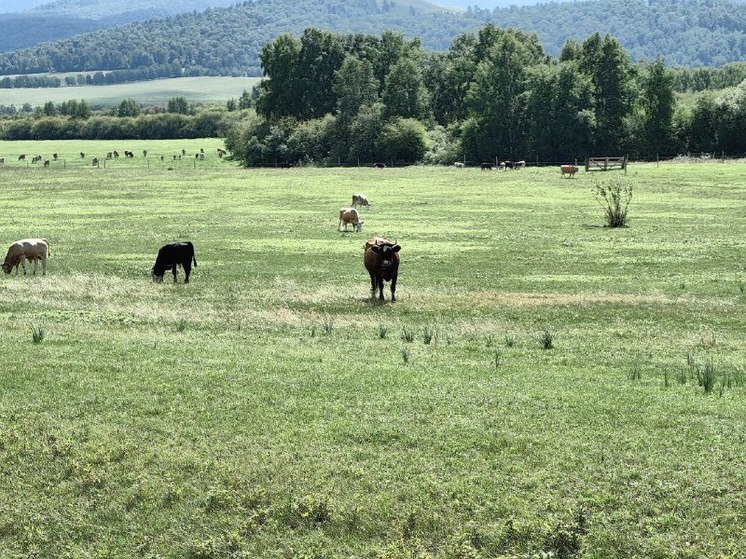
{"x":606,"y":164}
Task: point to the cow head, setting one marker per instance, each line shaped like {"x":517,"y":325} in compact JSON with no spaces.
{"x":358,"y":226}
{"x":157,"y":274}
{"x":386,"y":254}
{"x":7,"y":267}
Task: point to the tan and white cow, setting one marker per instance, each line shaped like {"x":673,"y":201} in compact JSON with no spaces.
{"x":350,"y":215}
{"x":34,"y":250}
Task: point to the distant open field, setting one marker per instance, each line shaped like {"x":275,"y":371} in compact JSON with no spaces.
{"x":151,"y":92}
{"x":271,"y":409}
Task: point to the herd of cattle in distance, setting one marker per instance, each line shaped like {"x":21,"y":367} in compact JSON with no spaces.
{"x":114,"y":154}
{"x":380,"y":256}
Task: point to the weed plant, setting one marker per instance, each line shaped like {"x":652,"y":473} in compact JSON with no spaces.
{"x":37,"y":334}
{"x":614,"y":196}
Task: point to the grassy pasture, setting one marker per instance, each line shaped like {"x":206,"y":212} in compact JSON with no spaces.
{"x":150,"y":92}
{"x":270,"y":409}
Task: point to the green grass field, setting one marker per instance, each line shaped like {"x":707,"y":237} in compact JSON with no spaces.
{"x":271,"y":409}
{"x":152,"y":92}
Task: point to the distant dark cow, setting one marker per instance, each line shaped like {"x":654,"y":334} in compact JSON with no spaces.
{"x":22,"y":157}
{"x":94,"y":162}
{"x":109,"y":155}
{"x":519,"y":164}
{"x":486,"y":166}
{"x":36,"y":158}
{"x":161,"y":158}
{"x":2,"y":161}
{"x":221,"y":153}
{"x":381,"y":259}
{"x":144,"y":153}
{"x":285,"y":165}
{"x":202,"y":150}
{"x":509,"y":165}
{"x":82,"y":155}
{"x":46,"y":162}
{"x":54,"y":156}
{"x":183,"y":152}
{"x":568,"y":170}
{"x":379,"y":165}
{"x":116,"y":153}
{"x":172,"y":255}
{"x":129,"y":154}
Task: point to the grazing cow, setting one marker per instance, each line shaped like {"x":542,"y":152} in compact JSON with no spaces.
{"x":285,"y":165}
{"x":202,"y":150}
{"x":221,"y":153}
{"x":381,"y":259}
{"x":183,"y":152}
{"x":116,"y":153}
{"x":36,"y":158}
{"x":109,"y":155}
{"x":54,"y":156}
{"x":94,"y":162}
{"x":501,"y":166}
{"x":82,"y":155}
{"x":201,"y":156}
{"x":46,"y":162}
{"x":350,"y":215}
{"x":172,"y":255}
{"x":144,"y":153}
{"x":509,"y":165}
{"x":486,"y":166}
{"x":459,"y":164}
{"x":519,"y":164}
{"x":2,"y":161}
{"x":129,"y":154}
{"x":568,"y":170}
{"x":27,"y":249}
{"x":161,"y":159}
{"x":379,"y":165}
{"x":22,"y":157}
{"x":360,"y":200}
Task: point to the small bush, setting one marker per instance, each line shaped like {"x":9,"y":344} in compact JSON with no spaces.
{"x":37,"y":334}
{"x":614,"y":197}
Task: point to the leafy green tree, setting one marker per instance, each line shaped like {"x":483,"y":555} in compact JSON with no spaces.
{"x":321,"y":55}
{"x":659,"y":103}
{"x":178,"y":105}
{"x":50,"y":109}
{"x":404,"y":140}
{"x":354,"y":86}
{"x":280,"y":95}
{"x":128,"y":107}
{"x":404,"y":94}
{"x":246,"y":100}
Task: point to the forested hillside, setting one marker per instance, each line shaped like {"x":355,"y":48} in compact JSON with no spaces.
{"x":227,"y":40}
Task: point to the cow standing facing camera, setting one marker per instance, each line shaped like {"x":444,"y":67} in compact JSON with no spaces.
{"x":381,"y":259}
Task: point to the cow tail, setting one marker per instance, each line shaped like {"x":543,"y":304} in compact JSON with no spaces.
{"x":194,"y":259}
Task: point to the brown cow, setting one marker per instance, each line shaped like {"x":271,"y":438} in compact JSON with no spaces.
{"x":27,"y":249}
{"x":350,"y":215}
{"x":381,"y":260}
{"x":569,"y":170}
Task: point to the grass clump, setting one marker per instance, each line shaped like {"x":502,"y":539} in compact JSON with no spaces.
{"x":546,"y":339}
{"x":405,"y":355}
{"x":510,"y":340}
{"x":614,"y":197}
{"x":382,"y":331}
{"x":428,"y":333}
{"x":407,"y":334}
{"x":181,"y":325}
{"x":37,"y":334}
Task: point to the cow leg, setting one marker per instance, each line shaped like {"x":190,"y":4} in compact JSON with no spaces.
{"x":174,"y":272}
{"x":380,"y":288}
{"x":187,"y":271}
{"x":372,"y":286}
{"x":44,"y":266}
{"x":35,"y":264}
{"x":393,"y":289}
{"x":23,"y":265}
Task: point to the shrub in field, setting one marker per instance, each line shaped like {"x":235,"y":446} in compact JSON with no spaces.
{"x":546,"y":339}
{"x":312,"y":510}
{"x":614,"y":197}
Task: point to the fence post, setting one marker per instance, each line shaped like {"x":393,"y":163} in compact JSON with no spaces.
{"x":657,"y":160}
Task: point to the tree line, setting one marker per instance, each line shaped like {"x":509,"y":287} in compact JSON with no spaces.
{"x":330,"y":98}
{"x":227,"y":41}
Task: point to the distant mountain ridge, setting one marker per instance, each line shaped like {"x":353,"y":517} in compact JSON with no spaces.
{"x":227,"y":40}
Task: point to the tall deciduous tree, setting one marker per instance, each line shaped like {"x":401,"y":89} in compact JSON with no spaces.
{"x":404,"y":94}
{"x":659,"y":103}
{"x":354,"y":86}
{"x":280,"y":90}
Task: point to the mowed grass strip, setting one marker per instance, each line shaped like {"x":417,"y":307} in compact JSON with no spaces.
{"x":270,"y":409}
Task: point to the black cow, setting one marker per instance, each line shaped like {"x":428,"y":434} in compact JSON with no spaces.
{"x":170,"y":256}
{"x":285,"y":165}
{"x":381,"y":259}
{"x":509,"y":165}
{"x":486,"y":166}
{"x":379,"y":165}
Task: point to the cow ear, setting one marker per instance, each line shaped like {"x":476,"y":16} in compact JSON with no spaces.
{"x":396,"y":248}
{"x":375,"y":248}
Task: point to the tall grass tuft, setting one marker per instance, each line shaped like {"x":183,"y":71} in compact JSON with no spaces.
{"x":498,"y":359}
{"x":37,"y":334}
{"x":382,"y":331}
{"x":405,"y":355}
{"x":614,"y":197}
{"x":428,"y":333}
{"x":328,"y":325}
{"x":546,"y":340}
{"x":407,"y":334}
{"x":635,"y":373}
{"x":181,"y":325}
{"x":509,"y":341}
{"x":706,"y":376}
